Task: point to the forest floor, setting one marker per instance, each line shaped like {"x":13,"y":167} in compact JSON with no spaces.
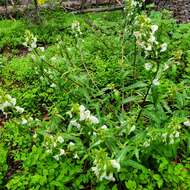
{"x":83,"y":105}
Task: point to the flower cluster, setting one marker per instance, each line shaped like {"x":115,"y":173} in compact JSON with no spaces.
{"x":57,"y":147}
{"x":53,"y":144}
{"x":76,"y":28}
{"x":9,"y":102}
{"x":84,"y":115}
{"x":30,"y":41}
{"x":169,"y":135}
{"x":104,"y":167}
{"x":132,"y":5}
{"x":146,"y":35}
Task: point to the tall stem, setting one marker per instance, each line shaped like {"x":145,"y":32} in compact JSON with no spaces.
{"x":122,"y":64}
{"x":134,"y":60}
{"x":146,"y":95}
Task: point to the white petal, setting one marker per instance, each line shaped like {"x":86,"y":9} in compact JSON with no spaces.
{"x":62,"y":152}
{"x":155,"y":82}
{"x":104,"y":127}
{"x":154,"y":28}
{"x":187,"y":123}
{"x":94,"y":119}
{"x":60,"y":139}
{"x":163,"y":47}
{"x":19,"y":109}
{"x":56,"y":157}
{"x":24,"y":122}
{"x":115,"y":164}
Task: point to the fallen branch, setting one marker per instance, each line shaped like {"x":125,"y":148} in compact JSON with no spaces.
{"x":102,"y":9}
{"x":77,"y":4}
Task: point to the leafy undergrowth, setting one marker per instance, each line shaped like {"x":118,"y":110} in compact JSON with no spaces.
{"x":93,"y":104}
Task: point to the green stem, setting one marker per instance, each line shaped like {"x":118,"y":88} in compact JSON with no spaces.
{"x":146,"y":95}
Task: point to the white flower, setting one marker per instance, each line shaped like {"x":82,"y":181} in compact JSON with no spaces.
{"x":5,"y":104}
{"x":33,"y":45}
{"x":171,"y":136}
{"x":146,"y":144}
{"x":166,"y":66}
{"x":76,"y":156}
{"x":56,"y":157}
{"x":102,"y":176}
{"x":94,"y":119}
{"x":69,"y":113}
{"x":154,"y":28}
{"x":152,"y":39}
{"x":53,"y":85}
{"x":164,"y":135}
{"x":30,"y":119}
{"x":34,"y":39}
{"x":148,"y":48}
{"x":75,"y":25}
{"x":71,"y":144}
{"x":104,"y":127}
{"x":62,"y":152}
{"x":42,"y":49}
{"x":109,"y":177}
{"x":60,"y":139}
{"x":87,"y":114}
{"x":49,"y":151}
{"x":75,"y":124}
{"x":177,"y":134}
{"x":148,"y":66}
{"x":132,"y":129}
{"x":95,"y":170}
{"x":24,"y":122}
{"x":82,"y":108}
{"x":13,"y":101}
{"x":19,"y":109}
{"x":82,"y":116}
{"x":187,"y":123}
{"x":155,"y":82}
{"x":134,"y":3}
{"x":163,"y":47}
{"x":54,"y":144}
{"x":94,"y":134}
{"x":115,"y":164}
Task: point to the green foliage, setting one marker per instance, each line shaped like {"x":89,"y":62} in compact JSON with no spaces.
{"x":11,"y":32}
{"x":132,"y":133}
